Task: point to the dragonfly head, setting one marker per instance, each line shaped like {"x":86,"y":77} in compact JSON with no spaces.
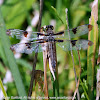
{"x":48,"y":28}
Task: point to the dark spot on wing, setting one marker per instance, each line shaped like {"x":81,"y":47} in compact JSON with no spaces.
{"x":90,"y":27}
{"x":25,"y":33}
{"x":73,"y":42}
{"x":8,"y":32}
{"x":74,"y":30}
{"x":90,"y":43}
{"x":28,"y":45}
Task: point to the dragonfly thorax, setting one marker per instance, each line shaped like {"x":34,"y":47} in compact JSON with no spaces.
{"x":50,"y":32}
{"x":51,"y":39}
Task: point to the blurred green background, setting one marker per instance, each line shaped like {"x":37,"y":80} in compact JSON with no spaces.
{"x":18,"y":14}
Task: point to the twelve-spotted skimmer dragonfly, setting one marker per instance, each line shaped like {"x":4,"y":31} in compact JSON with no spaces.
{"x":50,"y":38}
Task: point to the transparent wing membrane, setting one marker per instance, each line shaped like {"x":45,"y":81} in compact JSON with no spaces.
{"x":78,"y":31}
{"x":67,"y":45}
{"x":29,"y":35}
{"x":26,"y":47}
{"x":34,"y":42}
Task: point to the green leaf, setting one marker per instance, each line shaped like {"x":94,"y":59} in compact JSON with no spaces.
{"x":81,"y":83}
{"x":10,"y":58}
{"x":3,"y":90}
{"x":24,"y":63}
{"x":93,"y":36}
{"x":57,"y":14}
{"x":2,"y":70}
{"x":18,"y":13}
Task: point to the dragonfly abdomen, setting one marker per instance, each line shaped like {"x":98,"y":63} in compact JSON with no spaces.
{"x":52,"y":55}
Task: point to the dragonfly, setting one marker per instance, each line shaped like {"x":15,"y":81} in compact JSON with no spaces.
{"x":47,"y":39}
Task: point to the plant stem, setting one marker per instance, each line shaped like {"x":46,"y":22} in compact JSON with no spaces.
{"x":78,"y":95}
{"x":3,"y":90}
{"x":36,"y":54}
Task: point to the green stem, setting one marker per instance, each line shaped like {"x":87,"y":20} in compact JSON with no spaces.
{"x":3,"y":90}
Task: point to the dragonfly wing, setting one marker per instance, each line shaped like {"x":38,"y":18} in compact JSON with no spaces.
{"x":78,"y":31}
{"x":67,"y":45}
{"x":26,"y":47}
{"x":28,"y":35}
{"x":82,"y":43}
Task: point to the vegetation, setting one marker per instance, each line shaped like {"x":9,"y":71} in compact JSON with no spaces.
{"x":18,"y":14}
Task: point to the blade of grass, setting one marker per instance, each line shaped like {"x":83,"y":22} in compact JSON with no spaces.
{"x":11,"y":60}
{"x":93,"y":36}
{"x":57,"y":14}
{"x":2,"y":69}
{"x":67,"y":24}
{"x":79,"y":75}
{"x":58,"y":6}
{"x":81,"y":83}
{"x":3,"y":90}
{"x":24,"y":63}
{"x":2,"y":54}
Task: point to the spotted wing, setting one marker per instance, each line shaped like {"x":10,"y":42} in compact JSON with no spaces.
{"x":29,"y":47}
{"x":67,"y":45}
{"x":19,"y":34}
{"x":75,"y":32}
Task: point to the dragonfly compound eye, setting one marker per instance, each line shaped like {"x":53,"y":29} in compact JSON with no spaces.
{"x":49,"y":27}
{"x":52,"y":27}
